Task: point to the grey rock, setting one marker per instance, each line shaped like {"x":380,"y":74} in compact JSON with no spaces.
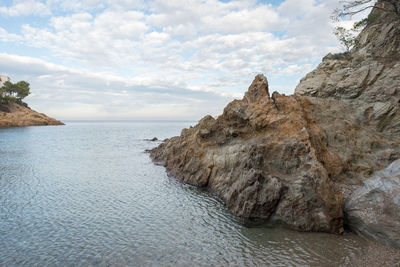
{"x":373,"y":210}
{"x":370,"y":72}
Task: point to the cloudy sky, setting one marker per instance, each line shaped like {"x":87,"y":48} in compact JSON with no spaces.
{"x":158,"y":59}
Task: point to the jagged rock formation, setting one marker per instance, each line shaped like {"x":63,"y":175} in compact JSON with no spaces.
{"x":374,"y":209}
{"x":15,"y":115}
{"x":277,"y":158}
{"x":292,"y":159}
{"x":261,"y":157}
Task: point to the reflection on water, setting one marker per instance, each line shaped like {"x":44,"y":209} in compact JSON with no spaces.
{"x":87,"y":194}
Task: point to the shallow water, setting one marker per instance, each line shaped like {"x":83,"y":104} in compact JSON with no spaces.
{"x":87,"y":194}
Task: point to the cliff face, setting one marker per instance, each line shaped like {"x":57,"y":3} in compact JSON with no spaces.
{"x":369,"y":72}
{"x":293,"y":159}
{"x":15,"y":115}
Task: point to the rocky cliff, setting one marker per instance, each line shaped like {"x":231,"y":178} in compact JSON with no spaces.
{"x":293,"y":160}
{"x":369,"y":72}
{"x":15,"y":115}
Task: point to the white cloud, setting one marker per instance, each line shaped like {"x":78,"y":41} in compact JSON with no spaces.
{"x":9,"y":37}
{"x":25,"y":8}
{"x":80,"y":94}
{"x":170,"y":51}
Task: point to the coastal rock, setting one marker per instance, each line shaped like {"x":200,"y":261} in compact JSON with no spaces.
{"x":283,"y":159}
{"x":373,"y":210}
{"x":370,"y":72}
{"x":15,"y":115}
{"x":293,"y":160}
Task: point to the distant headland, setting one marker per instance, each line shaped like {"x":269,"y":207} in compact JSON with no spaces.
{"x":16,"y":113}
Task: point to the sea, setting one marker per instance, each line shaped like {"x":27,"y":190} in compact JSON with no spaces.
{"x":87,"y":194}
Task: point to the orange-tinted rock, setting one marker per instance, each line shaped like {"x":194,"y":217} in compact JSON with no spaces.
{"x":15,"y":115}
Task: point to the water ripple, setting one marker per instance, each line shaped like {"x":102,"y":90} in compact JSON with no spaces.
{"x":86,"y":194}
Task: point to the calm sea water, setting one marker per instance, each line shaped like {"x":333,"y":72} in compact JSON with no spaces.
{"x":87,"y":194}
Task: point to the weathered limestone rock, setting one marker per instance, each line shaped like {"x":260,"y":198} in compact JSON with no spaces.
{"x":15,"y":115}
{"x":374,"y":209}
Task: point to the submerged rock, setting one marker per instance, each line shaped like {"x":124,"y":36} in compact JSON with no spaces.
{"x":373,"y":210}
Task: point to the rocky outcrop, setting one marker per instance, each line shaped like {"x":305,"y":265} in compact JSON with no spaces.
{"x":15,"y":115}
{"x":374,"y":209}
{"x":292,"y":160}
{"x":278,"y":158}
{"x":261,"y":157}
{"x":370,"y":72}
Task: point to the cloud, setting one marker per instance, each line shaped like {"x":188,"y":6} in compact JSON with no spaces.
{"x":173,"y":51}
{"x":9,"y":37}
{"x":80,"y":94}
{"x":25,"y":8}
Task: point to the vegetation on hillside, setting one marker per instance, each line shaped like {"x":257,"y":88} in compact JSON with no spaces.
{"x":14,"y":92}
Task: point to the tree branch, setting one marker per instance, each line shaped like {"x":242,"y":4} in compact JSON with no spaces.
{"x":348,"y":5}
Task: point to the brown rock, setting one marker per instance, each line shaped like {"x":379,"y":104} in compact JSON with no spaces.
{"x":16,"y":115}
{"x":258,"y":90}
{"x":279,"y":159}
{"x":291,"y":159}
{"x":260,"y":160}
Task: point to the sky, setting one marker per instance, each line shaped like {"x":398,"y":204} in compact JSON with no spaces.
{"x":158,"y":59}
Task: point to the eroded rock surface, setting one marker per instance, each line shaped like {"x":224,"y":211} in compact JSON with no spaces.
{"x":374,"y":209}
{"x":15,"y":115}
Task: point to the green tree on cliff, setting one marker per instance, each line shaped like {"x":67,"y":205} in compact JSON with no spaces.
{"x":346,"y":37}
{"x":14,"y":91}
